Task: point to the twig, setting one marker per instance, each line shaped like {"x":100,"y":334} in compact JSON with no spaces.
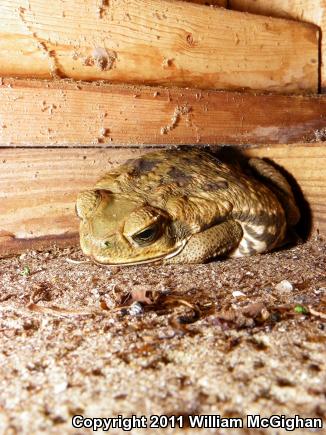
{"x":317,"y":313}
{"x":72,"y":261}
{"x":58,"y":311}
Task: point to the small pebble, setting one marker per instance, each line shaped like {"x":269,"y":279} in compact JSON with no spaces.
{"x":264,"y":314}
{"x":237,"y":294}
{"x":284,"y":286}
{"x":136,"y":309}
{"x":59,"y":388}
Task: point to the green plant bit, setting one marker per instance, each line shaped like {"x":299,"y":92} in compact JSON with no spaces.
{"x":300,"y":309}
{"x":26,"y":271}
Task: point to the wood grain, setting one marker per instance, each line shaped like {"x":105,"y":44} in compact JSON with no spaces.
{"x":39,"y":187}
{"x":220,"y":3}
{"x":310,"y":11}
{"x":56,"y":113}
{"x":303,"y":10}
{"x":161,"y":43}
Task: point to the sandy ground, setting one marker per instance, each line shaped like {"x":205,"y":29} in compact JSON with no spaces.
{"x":228,"y":338}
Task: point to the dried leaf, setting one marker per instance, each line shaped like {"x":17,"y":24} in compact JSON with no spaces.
{"x":254,"y":310}
{"x":141,"y":293}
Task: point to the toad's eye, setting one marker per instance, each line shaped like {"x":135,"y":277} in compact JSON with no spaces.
{"x":147,"y":236}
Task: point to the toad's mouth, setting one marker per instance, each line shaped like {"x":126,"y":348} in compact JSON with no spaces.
{"x":150,"y":260}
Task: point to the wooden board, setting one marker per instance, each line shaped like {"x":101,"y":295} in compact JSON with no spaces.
{"x":39,"y":187}
{"x":161,"y":43}
{"x":58,"y":113}
{"x":310,"y":11}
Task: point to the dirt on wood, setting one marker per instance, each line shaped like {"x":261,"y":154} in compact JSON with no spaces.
{"x":230,"y":338}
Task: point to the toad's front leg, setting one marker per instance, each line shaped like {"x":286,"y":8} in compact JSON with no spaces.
{"x":213,"y":242}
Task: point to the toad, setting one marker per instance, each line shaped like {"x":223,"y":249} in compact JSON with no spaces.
{"x":184,"y":206}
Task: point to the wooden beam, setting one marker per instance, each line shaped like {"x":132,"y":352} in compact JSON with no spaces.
{"x":310,"y":11}
{"x":161,"y":43}
{"x":39,"y":187}
{"x":56,"y":113}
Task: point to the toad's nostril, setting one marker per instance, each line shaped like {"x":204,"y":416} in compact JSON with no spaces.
{"x":107,"y":244}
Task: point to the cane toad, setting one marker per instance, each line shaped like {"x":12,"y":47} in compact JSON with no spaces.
{"x":184,"y":206}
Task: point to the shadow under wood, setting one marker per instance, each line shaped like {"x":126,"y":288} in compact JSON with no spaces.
{"x":233,"y":155}
{"x":11,"y":246}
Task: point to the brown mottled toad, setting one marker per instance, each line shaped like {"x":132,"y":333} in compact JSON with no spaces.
{"x":184,"y":206}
